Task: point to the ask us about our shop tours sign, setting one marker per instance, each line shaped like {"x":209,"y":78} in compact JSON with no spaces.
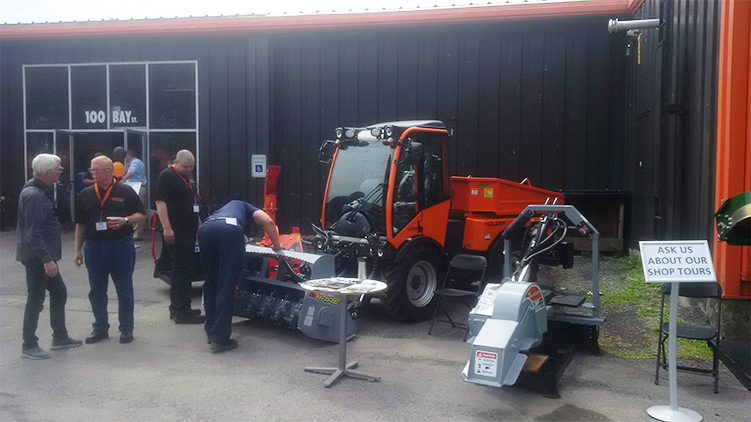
{"x":681,"y":261}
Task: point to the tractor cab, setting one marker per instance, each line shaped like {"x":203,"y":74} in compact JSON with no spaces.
{"x":381,"y":179}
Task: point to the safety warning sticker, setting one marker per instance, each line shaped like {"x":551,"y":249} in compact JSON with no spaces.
{"x":308,"y":321}
{"x":486,"y":363}
{"x":488,"y":192}
{"x":474,"y":191}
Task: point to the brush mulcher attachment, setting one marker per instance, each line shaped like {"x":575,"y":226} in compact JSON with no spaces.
{"x":522,"y":333}
{"x":282,"y":301}
{"x":510,"y":318}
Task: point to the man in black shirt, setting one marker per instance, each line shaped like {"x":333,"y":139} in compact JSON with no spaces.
{"x":222,"y":241}
{"x":105,"y":214}
{"x":177,"y":207}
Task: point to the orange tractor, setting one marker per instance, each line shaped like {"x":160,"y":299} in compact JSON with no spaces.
{"x":389,"y":198}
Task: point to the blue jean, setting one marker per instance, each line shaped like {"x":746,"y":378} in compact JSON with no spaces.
{"x":222,"y":256}
{"x":36,"y":284}
{"x":116,"y":258}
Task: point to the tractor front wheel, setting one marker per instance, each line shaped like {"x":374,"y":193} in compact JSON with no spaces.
{"x":412,"y":282}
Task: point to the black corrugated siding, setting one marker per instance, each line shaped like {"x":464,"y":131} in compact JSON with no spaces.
{"x":672,"y":122}
{"x":543,"y":100}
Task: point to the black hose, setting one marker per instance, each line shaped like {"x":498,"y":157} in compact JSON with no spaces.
{"x":519,"y":222}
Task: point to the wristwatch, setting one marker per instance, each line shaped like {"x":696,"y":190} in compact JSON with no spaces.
{"x":126,"y":220}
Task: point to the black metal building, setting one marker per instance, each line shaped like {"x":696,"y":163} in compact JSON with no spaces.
{"x":556,"y":100}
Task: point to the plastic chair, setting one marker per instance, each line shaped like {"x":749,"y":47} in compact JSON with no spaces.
{"x":470,"y":266}
{"x":708,"y":333}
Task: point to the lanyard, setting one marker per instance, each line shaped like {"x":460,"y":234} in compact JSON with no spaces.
{"x":188,"y":184}
{"x":106,"y":196}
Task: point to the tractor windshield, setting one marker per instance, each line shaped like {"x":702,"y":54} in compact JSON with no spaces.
{"x":357,"y":178}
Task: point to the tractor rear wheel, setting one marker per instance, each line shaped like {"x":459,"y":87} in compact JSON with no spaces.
{"x":412,"y":282}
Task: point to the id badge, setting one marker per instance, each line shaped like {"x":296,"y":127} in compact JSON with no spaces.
{"x":231,"y":221}
{"x":101,"y":226}
{"x":195,"y":208}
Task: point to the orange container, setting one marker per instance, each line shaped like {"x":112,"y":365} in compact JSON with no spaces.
{"x":498,"y":196}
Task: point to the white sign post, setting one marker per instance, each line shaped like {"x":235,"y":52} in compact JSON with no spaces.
{"x":258,"y":166}
{"x":675,"y":262}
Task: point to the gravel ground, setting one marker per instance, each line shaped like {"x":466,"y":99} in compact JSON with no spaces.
{"x":631,"y":307}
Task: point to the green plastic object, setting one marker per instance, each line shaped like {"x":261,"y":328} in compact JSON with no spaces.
{"x":734,"y":220}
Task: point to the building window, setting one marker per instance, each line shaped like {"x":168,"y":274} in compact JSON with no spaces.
{"x":76,"y":110}
{"x":88,"y":89}
{"x":128,"y":95}
{"x":46,"y":97}
{"x":172,"y":96}
{"x":37,"y":143}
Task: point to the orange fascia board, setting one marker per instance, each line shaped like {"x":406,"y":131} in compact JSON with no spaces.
{"x":290,"y":23}
{"x":733,"y":162}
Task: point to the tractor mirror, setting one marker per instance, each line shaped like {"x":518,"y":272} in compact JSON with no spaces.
{"x":326,"y":152}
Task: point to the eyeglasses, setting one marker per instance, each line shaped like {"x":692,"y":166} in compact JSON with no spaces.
{"x":92,"y":171}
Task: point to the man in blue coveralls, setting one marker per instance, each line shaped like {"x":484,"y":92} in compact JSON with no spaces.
{"x":222,"y":242}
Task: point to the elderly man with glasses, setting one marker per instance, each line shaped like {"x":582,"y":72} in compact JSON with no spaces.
{"x":105,"y":214}
{"x":38,"y":249}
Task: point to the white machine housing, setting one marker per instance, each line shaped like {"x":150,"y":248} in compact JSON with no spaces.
{"x":515,"y":324}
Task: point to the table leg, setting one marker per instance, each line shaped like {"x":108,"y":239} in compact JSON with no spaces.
{"x":343,"y":333}
{"x":343,"y":368}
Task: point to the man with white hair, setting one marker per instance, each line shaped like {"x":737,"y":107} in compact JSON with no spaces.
{"x":38,"y":249}
{"x":177,"y":206}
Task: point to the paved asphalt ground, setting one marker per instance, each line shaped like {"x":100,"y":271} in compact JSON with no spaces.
{"x":168,"y":374}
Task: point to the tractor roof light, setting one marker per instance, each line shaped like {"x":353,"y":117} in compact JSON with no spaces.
{"x":339,"y":132}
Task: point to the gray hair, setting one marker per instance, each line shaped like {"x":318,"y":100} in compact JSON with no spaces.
{"x":106,"y":160}
{"x":44,"y":163}
{"x":184,"y":155}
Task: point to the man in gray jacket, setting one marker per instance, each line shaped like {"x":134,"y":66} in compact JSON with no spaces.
{"x":38,"y":249}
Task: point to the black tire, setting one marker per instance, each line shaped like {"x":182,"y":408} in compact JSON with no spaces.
{"x":412,"y":282}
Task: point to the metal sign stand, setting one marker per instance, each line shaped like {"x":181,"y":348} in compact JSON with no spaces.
{"x":673,"y":413}
{"x":676,"y":261}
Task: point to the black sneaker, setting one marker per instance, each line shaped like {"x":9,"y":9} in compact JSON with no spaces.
{"x":173,"y":313}
{"x":65,"y":343}
{"x":189,"y":317}
{"x":223,"y":347}
{"x":96,"y":337}
{"x":126,"y":336}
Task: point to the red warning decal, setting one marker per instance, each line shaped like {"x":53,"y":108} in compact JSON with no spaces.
{"x":487,"y":355}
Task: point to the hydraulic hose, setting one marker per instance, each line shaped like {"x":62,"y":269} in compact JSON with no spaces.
{"x":519,"y":222}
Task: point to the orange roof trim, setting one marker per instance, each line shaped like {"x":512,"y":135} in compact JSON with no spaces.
{"x":271,"y":24}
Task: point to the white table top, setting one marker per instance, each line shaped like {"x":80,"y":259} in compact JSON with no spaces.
{"x":344,"y":286}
